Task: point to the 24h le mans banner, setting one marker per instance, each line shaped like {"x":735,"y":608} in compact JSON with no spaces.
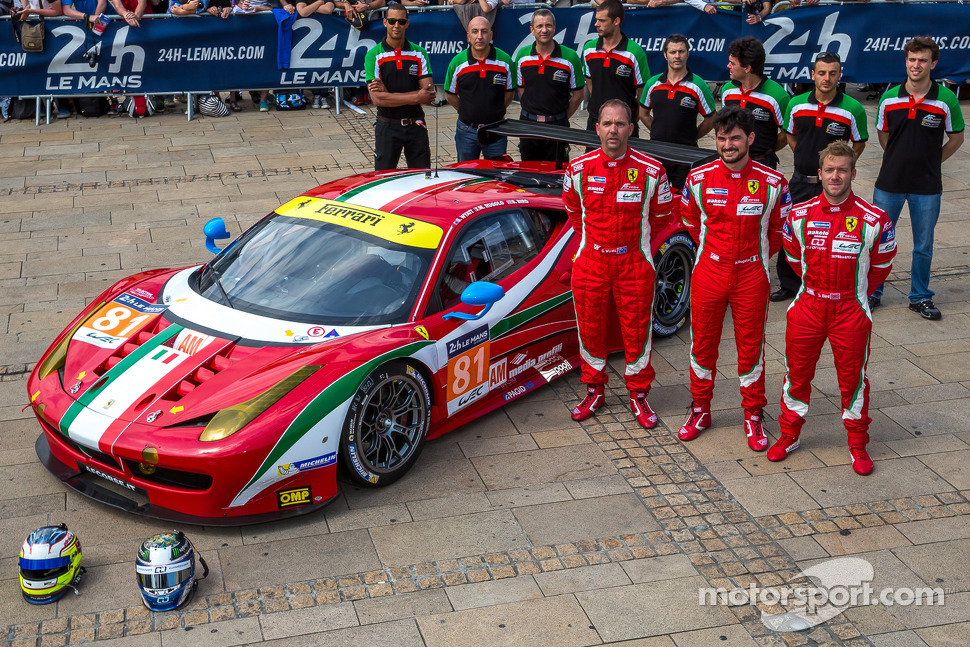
{"x":199,"y":54}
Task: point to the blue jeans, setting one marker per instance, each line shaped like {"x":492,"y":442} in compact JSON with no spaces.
{"x":924,"y":210}
{"x":466,"y":141}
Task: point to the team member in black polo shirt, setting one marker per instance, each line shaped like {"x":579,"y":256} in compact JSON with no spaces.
{"x":550,"y":80}
{"x":762,"y":97}
{"x":813,"y":121}
{"x":616,"y":67}
{"x":911,"y":121}
{"x":479,"y":85}
{"x":672,"y":101}
{"x":398,"y":75}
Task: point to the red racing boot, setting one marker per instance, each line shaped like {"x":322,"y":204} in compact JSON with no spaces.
{"x":594,"y":401}
{"x":785,"y":446}
{"x":641,"y":409}
{"x":861,"y":462}
{"x":755,"y":431}
{"x":698,"y":420}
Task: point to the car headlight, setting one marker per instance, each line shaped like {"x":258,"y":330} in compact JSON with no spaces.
{"x":232,"y":419}
{"x":58,"y":355}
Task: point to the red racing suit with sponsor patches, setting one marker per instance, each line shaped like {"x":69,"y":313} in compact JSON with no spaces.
{"x":611,"y":204}
{"x":843,"y":253}
{"x":736,"y":219}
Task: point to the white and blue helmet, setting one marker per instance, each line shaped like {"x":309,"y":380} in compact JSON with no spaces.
{"x":165,"y":568}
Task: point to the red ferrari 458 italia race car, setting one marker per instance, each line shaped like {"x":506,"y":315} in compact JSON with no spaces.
{"x":349,"y":326}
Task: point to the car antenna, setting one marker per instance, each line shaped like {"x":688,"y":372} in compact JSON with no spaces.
{"x":436,"y":103}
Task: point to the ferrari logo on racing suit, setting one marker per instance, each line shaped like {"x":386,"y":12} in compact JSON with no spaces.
{"x":753,"y":186}
{"x":632,"y":174}
{"x":851,"y":222}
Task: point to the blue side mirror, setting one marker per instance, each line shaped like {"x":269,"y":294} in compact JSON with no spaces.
{"x":214,"y":229}
{"x":479,"y":293}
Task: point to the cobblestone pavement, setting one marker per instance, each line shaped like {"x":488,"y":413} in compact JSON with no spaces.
{"x":523,"y":528}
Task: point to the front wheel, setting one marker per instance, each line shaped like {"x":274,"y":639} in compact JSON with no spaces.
{"x":386,"y":426}
{"x":671,"y":301}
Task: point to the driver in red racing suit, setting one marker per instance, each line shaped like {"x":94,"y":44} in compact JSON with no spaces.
{"x":843,"y":248}
{"x":612,"y":195}
{"x":734,"y":208}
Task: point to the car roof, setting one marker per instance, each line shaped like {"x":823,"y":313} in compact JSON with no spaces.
{"x":439,"y":196}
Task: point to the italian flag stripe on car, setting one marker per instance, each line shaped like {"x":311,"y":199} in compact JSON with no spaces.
{"x":90,"y":415}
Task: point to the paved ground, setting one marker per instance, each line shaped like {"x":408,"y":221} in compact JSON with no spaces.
{"x":523,"y":528}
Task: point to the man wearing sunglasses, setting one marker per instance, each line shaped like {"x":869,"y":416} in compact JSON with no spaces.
{"x":398,"y":74}
{"x":813,"y":121}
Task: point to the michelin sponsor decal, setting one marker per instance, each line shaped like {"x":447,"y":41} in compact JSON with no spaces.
{"x":307,"y":464}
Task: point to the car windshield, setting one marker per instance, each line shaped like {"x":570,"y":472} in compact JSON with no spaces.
{"x":306,"y":270}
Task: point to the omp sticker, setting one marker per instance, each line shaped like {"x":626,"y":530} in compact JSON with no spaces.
{"x":468,"y":360}
{"x":389,"y":226}
{"x":293,"y":498}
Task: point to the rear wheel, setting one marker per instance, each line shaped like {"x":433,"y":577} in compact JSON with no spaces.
{"x":671,"y":302}
{"x":387,"y":424}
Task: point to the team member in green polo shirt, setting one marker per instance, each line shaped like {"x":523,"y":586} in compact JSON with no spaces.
{"x":479,"y":85}
{"x":398,"y":75}
{"x":550,"y":81}
{"x":762,"y":97}
{"x":911,"y":122}
{"x":672,"y":102}
{"x":813,"y":121}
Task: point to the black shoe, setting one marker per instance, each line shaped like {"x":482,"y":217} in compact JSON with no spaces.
{"x":926,"y":309}
{"x":783,"y":294}
{"x":874,"y":302}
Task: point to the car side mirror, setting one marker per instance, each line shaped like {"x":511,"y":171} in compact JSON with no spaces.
{"x":479,"y":293}
{"x":214,"y":229}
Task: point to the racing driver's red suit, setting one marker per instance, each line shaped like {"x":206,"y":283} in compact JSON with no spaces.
{"x":843,"y":253}
{"x":736,"y":219}
{"x":611,"y":203}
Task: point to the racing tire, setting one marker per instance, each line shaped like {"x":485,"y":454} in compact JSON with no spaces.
{"x":386,"y":425}
{"x":671,"y":298}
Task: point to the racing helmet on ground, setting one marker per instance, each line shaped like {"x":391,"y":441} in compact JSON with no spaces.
{"x":165,"y":568}
{"x":50,"y":564}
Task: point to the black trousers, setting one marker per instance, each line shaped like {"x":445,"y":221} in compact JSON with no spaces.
{"x":390,"y":138}
{"x":801,"y":190}
{"x":541,"y":150}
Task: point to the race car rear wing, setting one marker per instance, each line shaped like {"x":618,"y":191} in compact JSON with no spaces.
{"x":667,"y":153}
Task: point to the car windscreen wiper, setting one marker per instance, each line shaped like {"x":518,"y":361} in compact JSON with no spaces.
{"x":214,"y":276}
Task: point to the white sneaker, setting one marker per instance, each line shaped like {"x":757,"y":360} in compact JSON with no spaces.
{"x":323,"y":102}
{"x":316,"y":102}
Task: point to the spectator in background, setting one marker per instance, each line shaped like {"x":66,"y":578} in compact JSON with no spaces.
{"x":750,"y":90}
{"x":40,"y":8}
{"x":468,"y":9}
{"x":703,"y":5}
{"x":305,"y":9}
{"x":86,"y":10}
{"x":255,"y":6}
{"x":672,"y":102}
{"x":186,"y":7}
{"x":131,"y":11}
{"x":616,"y":66}
{"x":479,"y":85}
{"x":757,"y":10}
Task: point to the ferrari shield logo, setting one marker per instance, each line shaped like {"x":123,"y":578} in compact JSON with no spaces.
{"x":851,"y":222}
{"x":753,"y":186}
{"x":632,"y":174}
{"x":421,"y":330}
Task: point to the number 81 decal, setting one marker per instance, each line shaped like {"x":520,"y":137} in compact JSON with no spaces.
{"x":116,"y":321}
{"x":468,"y":358}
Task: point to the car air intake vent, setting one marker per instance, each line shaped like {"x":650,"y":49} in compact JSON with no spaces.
{"x":201,"y":375}
{"x":169,"y":477}
{"x":131,"y":345}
